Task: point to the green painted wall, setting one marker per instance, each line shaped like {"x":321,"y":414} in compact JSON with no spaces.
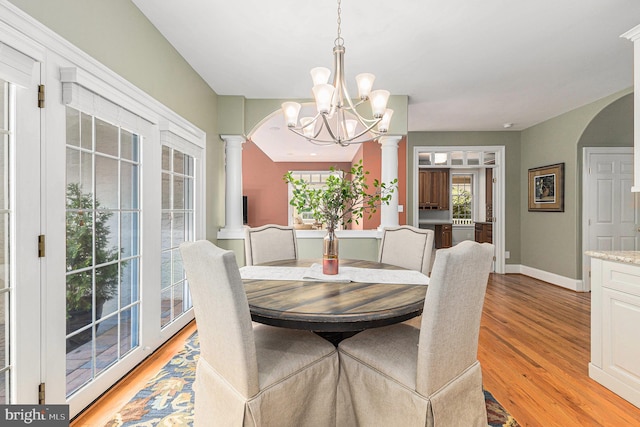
{"x":551,"y":241}
{"x":511,"y":141}
{"x":118,"y":35}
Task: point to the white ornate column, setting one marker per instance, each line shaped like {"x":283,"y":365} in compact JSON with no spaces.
{"x":389,"y":172}
{"x":233,"y":182}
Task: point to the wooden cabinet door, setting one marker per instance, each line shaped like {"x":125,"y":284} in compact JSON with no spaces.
{"x":433,"y":190}
{"x":442,"y":188}
{"x":443,"y":236}
{"x":424,"y":190}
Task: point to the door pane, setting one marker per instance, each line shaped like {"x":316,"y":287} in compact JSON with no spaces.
{"x":103,"y":229}
{"x":178,"y":222}
{"x":7,"y":109}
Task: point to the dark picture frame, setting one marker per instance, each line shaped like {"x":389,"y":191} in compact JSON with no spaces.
{"x":546,"y":188}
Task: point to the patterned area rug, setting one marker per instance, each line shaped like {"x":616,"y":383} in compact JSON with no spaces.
{"x":167,"y":399}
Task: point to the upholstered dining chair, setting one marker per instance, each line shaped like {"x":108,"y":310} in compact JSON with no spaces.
{"x":407,"y":247}
{"x":403,"y":376}
{"x":268,"y":243}
{"x":252,"y":375}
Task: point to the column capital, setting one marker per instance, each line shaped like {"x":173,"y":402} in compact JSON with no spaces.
{"x":389,"y":140}
{"x":237,"y":139}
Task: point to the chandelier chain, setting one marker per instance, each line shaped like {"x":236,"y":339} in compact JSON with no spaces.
{"x":339,"y":40}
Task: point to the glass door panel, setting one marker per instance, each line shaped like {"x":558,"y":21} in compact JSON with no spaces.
{"x":103,"y":229}
{"x":178,"y":222}
{"x":5,"y":238}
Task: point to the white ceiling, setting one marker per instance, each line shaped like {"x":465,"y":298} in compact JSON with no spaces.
{"x":466,"y":65}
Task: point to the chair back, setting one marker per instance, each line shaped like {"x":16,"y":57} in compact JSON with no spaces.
{"x":407,"y":247}
{"x":222,"y":314}
{"x":268,"y":243}
{"x":452,"y":311}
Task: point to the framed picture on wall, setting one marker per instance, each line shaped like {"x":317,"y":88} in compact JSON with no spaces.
{"x":546,"y":188}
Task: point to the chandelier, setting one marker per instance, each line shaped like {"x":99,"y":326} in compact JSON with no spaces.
{"x":337,"y":120}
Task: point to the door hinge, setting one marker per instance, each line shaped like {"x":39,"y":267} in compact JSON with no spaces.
{"x":494,"y":258}
{"x":41,"y":246}
{"x":494,"y":180}
{"x":41,"y":400}
{"x":40,"y":96}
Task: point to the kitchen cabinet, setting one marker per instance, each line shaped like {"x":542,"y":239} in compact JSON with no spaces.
{"x":483,"y":232}
{"x":615,"y":316}
{"x":433,"y":191}
{"x":443,"y":235}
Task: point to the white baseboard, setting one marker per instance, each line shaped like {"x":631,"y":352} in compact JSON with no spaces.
{"x":555,"y":279}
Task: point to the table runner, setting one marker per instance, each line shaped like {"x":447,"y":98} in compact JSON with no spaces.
{"x":346,"y":274}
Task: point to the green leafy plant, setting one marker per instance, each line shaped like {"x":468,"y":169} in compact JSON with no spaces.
{"x":461,"y":200}
{"x":343,"y":199}
{"x":80,"y":252}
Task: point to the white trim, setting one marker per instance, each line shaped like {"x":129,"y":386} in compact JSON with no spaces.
{"x":498,"y":195}
{"x":15,"y":66}
{"x":512,"y":269}
{"x":554,"y":279}
{"x":633,"y":34}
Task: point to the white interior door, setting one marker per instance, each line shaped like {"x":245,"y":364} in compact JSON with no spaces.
{"x":611,"y":211}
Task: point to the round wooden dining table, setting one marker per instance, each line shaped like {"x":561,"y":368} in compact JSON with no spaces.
{"x":327,"y":307}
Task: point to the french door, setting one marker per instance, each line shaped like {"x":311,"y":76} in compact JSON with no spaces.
{"x":100,"y":185}
{"x":20,"y":206}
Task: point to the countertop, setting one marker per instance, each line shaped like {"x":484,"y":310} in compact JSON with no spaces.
{"x":630,"y":257}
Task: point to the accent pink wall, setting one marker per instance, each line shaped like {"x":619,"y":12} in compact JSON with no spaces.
{"x":266,"y":191}
{"x":264,"y":187}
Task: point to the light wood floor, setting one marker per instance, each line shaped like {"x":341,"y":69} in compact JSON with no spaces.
{"x":534,"y":351}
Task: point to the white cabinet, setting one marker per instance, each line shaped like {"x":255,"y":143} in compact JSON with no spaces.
{"x":615,"y":327}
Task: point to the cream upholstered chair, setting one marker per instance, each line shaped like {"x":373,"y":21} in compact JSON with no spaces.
{"x":268,"y":243}
{"x":403,"y":376}
{"x":252,"y":376}
{"x":407,"y":247}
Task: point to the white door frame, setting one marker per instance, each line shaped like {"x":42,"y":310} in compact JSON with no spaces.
{"x":586,"y":198}
{"x":498,"y":192}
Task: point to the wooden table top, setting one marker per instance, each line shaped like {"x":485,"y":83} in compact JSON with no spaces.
{"x":330,"y":306}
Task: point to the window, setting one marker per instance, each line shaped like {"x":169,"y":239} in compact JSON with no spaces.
{"x":178,"y":226}
{"x":462,"y":199}
{"x":315,"y":179}
{"x":102,"y":249}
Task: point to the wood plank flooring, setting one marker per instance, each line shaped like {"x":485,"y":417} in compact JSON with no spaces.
{"x":534,"y":350}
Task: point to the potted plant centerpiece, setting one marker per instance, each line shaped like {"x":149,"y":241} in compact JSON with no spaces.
{"x":345,"y":198}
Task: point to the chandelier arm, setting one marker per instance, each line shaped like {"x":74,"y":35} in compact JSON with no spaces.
{"x":326,"y":123}
{"x":369,"y":129}
{"x":313,"y":141}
